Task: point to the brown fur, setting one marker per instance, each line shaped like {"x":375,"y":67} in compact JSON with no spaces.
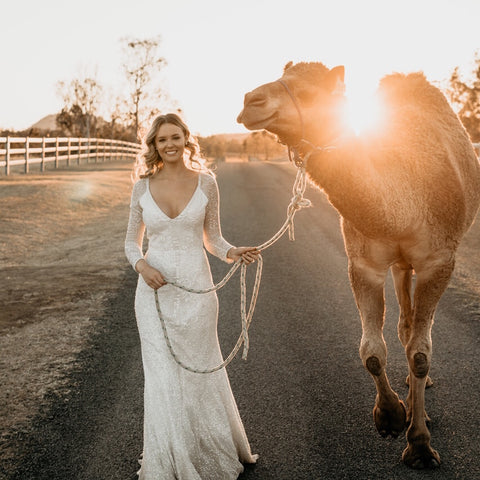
{"x":407,"y":193}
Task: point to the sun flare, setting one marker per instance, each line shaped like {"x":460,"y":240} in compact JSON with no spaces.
{"x":363,"y":112}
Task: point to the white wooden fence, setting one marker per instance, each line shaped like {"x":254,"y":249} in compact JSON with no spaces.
{"x":24,"y":152}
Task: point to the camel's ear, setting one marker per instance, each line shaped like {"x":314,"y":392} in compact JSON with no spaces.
{"x":287,"y":66}
{"x":334,"y":80}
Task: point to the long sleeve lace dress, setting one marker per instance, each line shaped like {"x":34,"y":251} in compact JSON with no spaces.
{"x":192,"y":428}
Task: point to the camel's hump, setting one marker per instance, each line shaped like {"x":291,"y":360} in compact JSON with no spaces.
{"x":412,"y":88}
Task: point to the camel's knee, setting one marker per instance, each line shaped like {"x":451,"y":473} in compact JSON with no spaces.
{"x":419,"y":363}
{"x":374,"y":357}
{"x":374,"y":366}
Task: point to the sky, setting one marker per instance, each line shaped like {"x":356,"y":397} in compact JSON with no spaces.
{"x":217,"y":50}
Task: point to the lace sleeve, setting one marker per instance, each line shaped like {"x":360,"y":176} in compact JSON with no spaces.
{"x":212,"y":232}
{"x":136,"y":227}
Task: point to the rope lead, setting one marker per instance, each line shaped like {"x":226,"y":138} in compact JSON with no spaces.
{"x":297,"y":202}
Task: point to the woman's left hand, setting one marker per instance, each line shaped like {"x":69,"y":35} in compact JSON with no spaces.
{"x":247,"y":254}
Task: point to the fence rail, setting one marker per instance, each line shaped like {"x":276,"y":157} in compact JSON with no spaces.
{"x":24,"y":152}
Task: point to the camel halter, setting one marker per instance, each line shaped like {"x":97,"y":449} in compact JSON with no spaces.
{"x":296,"y":203}
{"x":297,"y":106}
{"x":293,"y":153}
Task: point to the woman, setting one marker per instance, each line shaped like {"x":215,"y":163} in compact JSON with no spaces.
{"x":192,"y":428}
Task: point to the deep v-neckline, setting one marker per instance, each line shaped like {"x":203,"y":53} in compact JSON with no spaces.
{"x":184,"y":208}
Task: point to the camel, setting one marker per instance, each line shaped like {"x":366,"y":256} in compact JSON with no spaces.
{"x":406,"y":193}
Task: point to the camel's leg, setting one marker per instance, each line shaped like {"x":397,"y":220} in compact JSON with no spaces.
{"x":402,"y":279}
{"x":368,"y":286}
{"x":430,"y":286}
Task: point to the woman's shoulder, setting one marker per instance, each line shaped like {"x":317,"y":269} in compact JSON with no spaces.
{"x":140,"y":183}
{"x":139,"y":187}
{"x":207,"y":178}
{"x":208,"y":185}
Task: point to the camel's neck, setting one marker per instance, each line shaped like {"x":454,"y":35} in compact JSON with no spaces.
{"x":347,"y":176}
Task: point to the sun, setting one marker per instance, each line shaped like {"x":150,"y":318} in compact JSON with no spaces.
{"x":363,"y":113}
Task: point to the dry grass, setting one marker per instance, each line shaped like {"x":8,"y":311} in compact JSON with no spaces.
{"x":61,"y":254}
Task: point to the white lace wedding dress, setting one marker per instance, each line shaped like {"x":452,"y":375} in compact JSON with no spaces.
{"x":192,"y":428}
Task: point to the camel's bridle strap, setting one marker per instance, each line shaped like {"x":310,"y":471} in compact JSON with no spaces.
{"x":293,"y":152}
{"x":294,"y":100}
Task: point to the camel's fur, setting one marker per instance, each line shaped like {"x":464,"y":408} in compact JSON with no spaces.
{"x":407,"y":193}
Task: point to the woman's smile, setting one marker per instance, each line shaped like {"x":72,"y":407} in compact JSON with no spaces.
{"x":170,"y":142}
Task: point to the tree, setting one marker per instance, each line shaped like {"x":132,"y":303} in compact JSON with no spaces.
{"x":262,"y":144}
{"x":119,"y":126}
{"x":81,"y":99}
{"x":465,"y":98}
{"x":258,"y":145}
{"x":71,"y":121}
{"x":142,"y":64}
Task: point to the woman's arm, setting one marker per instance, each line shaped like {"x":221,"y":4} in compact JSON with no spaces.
{"x":213,"y":238}
{"x":134,"y":240}
{"x":136,"y":227}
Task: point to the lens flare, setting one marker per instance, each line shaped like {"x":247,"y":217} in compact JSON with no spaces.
{"x":80,"y":191}
{"x":363,"y":113}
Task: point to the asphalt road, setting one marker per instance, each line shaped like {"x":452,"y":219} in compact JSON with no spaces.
{"x":304,"y":397}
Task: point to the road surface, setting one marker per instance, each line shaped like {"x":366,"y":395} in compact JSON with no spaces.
{"x":304,"y":397}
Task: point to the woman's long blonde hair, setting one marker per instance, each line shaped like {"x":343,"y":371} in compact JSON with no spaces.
{"x":149,"y":161}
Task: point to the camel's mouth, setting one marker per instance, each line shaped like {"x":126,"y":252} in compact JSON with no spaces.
{"x":253,"y":123}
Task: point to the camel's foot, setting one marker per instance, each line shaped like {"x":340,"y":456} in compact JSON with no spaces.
{"x":391,"y":421}
{"x":427,"y":385}
{"x":421,"y":455}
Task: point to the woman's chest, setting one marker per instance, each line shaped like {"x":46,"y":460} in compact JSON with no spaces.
{"x":189,"y":221}
{"x":173,"y":197}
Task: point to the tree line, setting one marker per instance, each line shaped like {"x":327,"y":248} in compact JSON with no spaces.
{"x":90,"y":110}
{"x":464,"y":95}
{"x":259,"y":145}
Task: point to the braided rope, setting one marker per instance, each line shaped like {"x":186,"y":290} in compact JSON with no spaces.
{"x":297,"y":202}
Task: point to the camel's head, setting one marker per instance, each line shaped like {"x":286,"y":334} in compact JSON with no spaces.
{"x":315,"y":112}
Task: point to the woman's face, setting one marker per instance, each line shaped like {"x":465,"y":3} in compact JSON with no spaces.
{"x":170,"y":143}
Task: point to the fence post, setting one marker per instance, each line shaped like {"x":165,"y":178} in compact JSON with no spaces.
{"x":42,"y":164}
{"x":56,"y":152}
{"x":7,"y":156}
{"x":88,"y":150}
{"x":68,"y":151}
{"x":26,"y":154}
{"x":79,"y":143}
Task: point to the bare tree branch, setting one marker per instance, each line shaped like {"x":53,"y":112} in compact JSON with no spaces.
{"x":142,"y":63}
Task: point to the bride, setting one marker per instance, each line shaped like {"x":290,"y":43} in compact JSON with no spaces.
{"x":192,"y":428}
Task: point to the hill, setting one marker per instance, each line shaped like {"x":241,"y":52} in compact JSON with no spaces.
{"x":46,"y":123}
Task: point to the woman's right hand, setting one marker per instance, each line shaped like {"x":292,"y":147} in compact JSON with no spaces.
{"x":153,"y":278}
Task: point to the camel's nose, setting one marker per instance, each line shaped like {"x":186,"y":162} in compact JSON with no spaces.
{"x":252,"y":99}
{"x":255,"y":99}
